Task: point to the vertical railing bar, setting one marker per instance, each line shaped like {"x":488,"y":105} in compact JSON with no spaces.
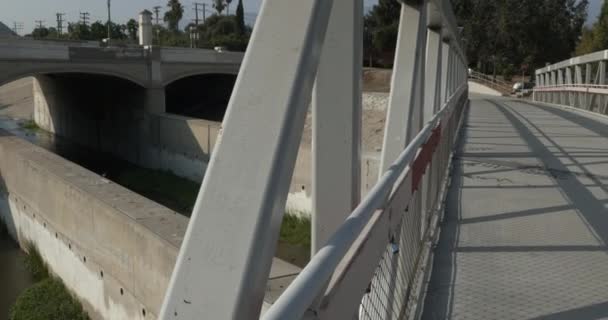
{"x":400,"y":117}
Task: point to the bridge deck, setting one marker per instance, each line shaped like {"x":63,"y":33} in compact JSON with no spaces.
{"x":525,"y":233}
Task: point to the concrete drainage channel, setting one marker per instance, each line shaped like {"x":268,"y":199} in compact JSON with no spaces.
{"x":113,"y":248}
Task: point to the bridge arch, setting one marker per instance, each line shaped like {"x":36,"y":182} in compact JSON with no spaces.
{"x":174,"y":73}
{"x":31,"y":71}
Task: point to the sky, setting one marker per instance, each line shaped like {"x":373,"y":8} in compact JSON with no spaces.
{"x":26,"y":12}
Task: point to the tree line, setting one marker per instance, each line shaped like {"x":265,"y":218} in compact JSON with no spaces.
{"x":595,"y":38}
{"x":219,"y":29}
{"x":500,"y":36}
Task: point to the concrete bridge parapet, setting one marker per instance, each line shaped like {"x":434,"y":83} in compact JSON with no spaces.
{"x":148,"y":66}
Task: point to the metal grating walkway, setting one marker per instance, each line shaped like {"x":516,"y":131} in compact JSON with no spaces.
{"x":525,"y":232}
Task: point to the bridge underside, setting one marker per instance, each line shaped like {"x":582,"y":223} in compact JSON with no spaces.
{"x":117,"y":116}
{"x":526,"y":225}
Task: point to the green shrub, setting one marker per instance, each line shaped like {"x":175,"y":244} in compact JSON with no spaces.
{"x":35,"y":264}
{"x":294,"y":239}
{"x":47,"y":300}
{"x":29,"y":125}
{"x":295,"y":229}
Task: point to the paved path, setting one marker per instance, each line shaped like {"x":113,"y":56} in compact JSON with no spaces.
{"x":526,"y":228}
{"x":479,"y":88}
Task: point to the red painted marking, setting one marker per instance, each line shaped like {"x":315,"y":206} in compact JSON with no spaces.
{"x":424,"y":157}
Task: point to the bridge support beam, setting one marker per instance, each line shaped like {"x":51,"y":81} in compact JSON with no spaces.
{"x":336,"y":132}
{"x":224,"y":262}
{"x":432,"y":88}
{"x":155,"y":100}
{"x":403,"y":117}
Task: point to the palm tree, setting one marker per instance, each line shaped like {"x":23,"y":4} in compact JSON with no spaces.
{"x":174,"y":14}
{"x":219,"y":6}
{"x":132,"y":27}
{"x":228,"y":6}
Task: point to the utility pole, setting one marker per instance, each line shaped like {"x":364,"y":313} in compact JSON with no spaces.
{"x":39,"y":23}
{"x":197,"y":10}
{"x":204,"y":12}
{"x":17,"y":27}
{"x":84,"y":18}
{"x":60,"y":23}
{"x":109,"y":23}
{"x":156,"y":11}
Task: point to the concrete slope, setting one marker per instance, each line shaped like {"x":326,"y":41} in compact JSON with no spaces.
{"x":526,"y":225}
{"x":477,"y":88}
{"x":16,"y":99}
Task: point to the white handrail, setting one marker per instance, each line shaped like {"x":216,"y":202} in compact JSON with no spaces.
{"x":299,"y":296}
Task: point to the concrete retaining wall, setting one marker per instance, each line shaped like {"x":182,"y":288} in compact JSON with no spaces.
{"x":114,"y":249}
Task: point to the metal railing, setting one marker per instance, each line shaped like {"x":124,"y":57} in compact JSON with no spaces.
{"x":578,"y":82}
{"x":501,"y":86}
{"x":370,"y":256}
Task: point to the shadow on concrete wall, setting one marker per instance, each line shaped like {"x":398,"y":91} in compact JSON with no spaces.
{"x":107,"y":114}
{"x":203,"y":96}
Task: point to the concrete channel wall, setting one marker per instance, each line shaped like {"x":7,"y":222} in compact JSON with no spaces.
{"x":114,"y":249}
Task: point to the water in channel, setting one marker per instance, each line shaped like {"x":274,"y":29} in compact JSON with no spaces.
{"x":14,"y":277}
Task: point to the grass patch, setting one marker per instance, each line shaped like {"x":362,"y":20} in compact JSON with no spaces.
{"x":294,"y":239}
{"x":179,"y":194}
{"x":29,"y":125}
{"x":49,"y":299}
{"x":296,"y":229}
{"x":164,"y":187}
{"x":35,"y":264}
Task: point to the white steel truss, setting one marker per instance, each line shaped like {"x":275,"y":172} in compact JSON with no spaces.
{"x":368,"y":253}
{"x":583,"y":87}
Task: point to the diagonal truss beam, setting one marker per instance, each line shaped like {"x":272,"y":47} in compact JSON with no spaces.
{"x":225,"y":259}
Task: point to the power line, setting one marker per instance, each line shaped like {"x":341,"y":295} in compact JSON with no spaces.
{"x":60,"y":22}
{"x":84,"y":18}
{"x":109,"y":23}
{"x":40,"y":23}
{"x":197,"y":10}
{"x":17,"y":27}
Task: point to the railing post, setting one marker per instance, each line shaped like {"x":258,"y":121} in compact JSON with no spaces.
{"x":444,"y":72}
{"x":578,"y":79}
{"x":602,"y":81}
{"x":223,"y":265}
{"x":588,"y":81}
{"x":433,"y":72}
{"x":571,"y":95}
{"x":403,"y":119}
{"x":336,"y":140}
{"x":434,"y":56}
{"x":551,"y":83}
{"x":560,"y":81}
